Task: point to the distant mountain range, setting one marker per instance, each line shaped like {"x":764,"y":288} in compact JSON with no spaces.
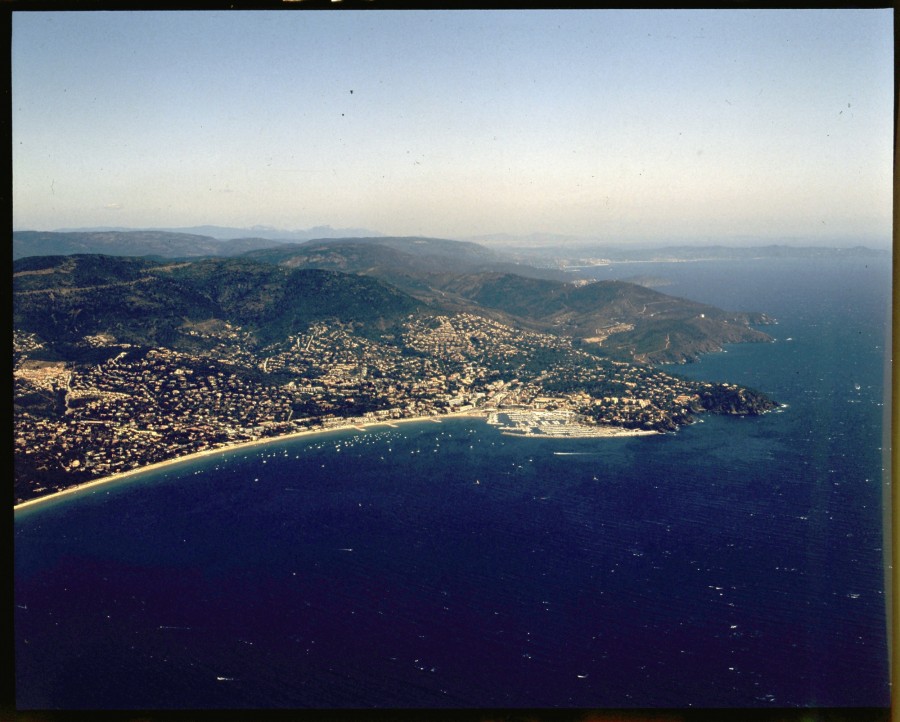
{"x":226,"y":233}
{"x":369,"y":281}
{"x":400,"y":260}
{"x":159,"y":244}
{"x":220,"y":241}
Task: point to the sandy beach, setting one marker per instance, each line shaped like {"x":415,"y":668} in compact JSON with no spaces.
{"x":597,"y":432}
{"x":239,"y":445}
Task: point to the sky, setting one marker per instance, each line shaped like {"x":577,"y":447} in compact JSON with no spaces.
{"x":644,"y":125}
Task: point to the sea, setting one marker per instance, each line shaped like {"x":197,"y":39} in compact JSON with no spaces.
{"x":736,"y":563}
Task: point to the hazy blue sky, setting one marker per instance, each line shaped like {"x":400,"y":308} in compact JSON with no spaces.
{"x":646,"y":124}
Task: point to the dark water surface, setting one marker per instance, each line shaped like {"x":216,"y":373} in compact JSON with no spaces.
{"x":735,"y":563}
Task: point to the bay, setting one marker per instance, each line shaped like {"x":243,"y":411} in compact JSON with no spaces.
{"x":735,"y":563}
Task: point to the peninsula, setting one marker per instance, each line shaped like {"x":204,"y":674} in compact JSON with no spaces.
{"x":120,"y":363}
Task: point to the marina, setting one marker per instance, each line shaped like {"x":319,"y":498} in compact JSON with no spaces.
{"x":556,"y":424}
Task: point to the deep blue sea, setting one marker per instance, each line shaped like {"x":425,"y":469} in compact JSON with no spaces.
{"x":736,"y":563}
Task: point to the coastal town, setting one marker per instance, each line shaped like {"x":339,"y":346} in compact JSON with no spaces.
{"x":136,"y":406}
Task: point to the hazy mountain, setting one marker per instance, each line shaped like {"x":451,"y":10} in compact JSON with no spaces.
{"x":225,"y":233}
{"x":160,"y":244}
{"x":400,"y":260}
{"x":530,"y":240}
{"x":276,"y":234}
{"x":361,"y":255}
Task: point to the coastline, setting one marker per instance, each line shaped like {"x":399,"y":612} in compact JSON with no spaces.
{"x":238,"y":445}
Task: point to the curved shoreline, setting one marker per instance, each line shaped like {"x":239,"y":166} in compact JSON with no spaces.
{"x":238,"y":445}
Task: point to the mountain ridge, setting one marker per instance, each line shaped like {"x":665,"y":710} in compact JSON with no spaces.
{"x":201,"y":240}
{"x":225,"y":233}
{"x":65,"y":298}
{"x":147,"y":299}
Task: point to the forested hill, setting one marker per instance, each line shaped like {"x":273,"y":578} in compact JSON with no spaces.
{"x":622,"y":320}
{"x":65,"y":298}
